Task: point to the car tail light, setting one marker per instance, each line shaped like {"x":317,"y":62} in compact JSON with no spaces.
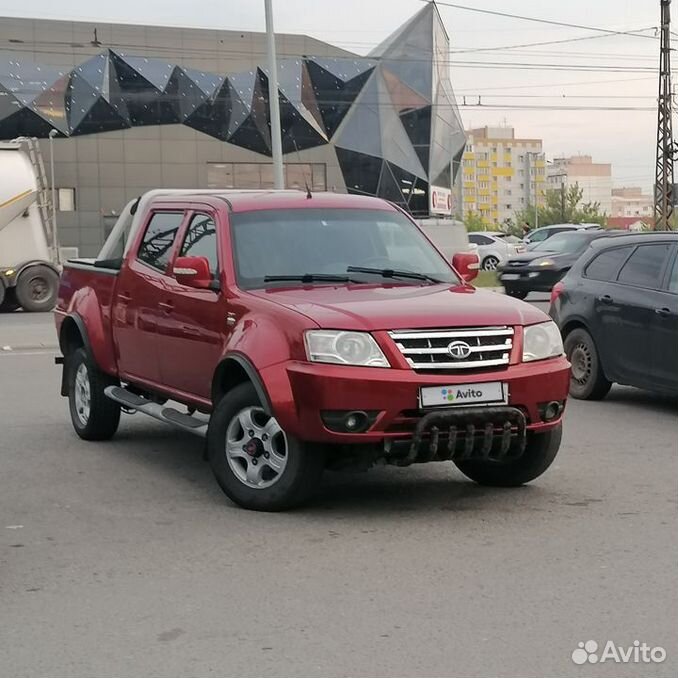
{"x":557,"y":290}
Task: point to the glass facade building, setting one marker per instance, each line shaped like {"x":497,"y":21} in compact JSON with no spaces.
{"x":386,"y":124}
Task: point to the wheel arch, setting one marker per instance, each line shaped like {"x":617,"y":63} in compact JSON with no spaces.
{"x":72,"y":336}
{"x":25,"y":265}
{"x":233,"y":370}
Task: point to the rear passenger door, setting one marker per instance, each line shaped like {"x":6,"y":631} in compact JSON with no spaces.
{"x":665,"y":335}
{"x":141,"y":287}
{"x":628,"y":310}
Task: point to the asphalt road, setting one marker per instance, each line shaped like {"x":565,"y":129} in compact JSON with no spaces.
{"x":125,"y":559}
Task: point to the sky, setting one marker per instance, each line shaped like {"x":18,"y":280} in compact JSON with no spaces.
{"x":600,"y":71}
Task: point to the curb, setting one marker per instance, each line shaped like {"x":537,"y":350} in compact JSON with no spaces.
{"x":28,"y":347}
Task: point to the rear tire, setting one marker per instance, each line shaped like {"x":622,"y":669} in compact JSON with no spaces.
{"x":516,"y":294}
{"x":256,"y":464}
{"x":587,"y":379}
{"x":539,"y":454}
{"x":37,"y":288}
{"x":490,"y":263}
{"x":94,"y":416}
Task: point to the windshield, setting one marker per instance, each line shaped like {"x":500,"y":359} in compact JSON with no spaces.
{"x":303,"y":242}
{"x":563,"y":243}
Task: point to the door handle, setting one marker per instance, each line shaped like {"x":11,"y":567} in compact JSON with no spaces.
{"x":663,"y":312}
{"x":166,"y":306}
{"x":124,"y":297}
{"x":605,"y":299}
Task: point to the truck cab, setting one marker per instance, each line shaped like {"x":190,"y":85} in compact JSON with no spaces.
{"x":300,"y":332}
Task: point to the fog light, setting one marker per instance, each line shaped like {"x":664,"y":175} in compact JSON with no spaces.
{"x":355,"y":421}
{"x":551,"y":411}
{"x":351,"y":421}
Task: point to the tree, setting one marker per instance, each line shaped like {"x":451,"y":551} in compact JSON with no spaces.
{"x":474,"y":222}
{"x":563,"y":206}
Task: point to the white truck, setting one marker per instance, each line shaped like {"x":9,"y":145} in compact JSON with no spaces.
{"x":29,"y":250}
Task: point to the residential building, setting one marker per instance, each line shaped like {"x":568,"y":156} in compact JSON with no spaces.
{"x":593,"y":178}
{"x":502,"y":174}
{"x":141,"y":107}
{"x":630,"y":201}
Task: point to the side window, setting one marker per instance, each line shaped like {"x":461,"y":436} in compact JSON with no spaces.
{"x":607,"y":263}
{"x":644,"y":267}
{"x":479,"y":239}
{"x":538,"y":236}
{"x":673,"y":282}
{"x":201,"y":241}
{"x":156,"y":247}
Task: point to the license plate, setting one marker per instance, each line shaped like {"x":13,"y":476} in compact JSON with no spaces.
{"x":510,"y":276}
{"x":492,"y":392}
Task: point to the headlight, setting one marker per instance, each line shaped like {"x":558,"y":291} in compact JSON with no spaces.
{"x":542,"y":341}
{"x":344,"y":348}
{"x":546,"y":262}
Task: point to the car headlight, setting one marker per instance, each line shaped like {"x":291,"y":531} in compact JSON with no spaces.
{"x":344,"y":348}
{"x":542,"y":341}
{"x":546,"y":263}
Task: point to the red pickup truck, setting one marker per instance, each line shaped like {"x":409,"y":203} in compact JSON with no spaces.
{"x":299,"y":333}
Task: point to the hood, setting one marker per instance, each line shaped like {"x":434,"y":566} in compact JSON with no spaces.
{"x":391,"y":307}
{"x":528,"y":257}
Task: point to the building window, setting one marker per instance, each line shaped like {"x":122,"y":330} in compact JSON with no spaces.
{"x":66,"y":199}
{"x":255,"y":175}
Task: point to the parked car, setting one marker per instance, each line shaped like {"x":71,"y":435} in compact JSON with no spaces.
{"x":494,"y":248}
{"x":545,"y":232}
{"x":306,"y":332}
{"x":542,"y":267}
{"x":617,"y":310}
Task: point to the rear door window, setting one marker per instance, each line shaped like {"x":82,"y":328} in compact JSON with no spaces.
{"x":645,"y":266}
{"x":479,"y":239}
{"x":161,"y":232}
{"x":606,"y":265}
{"x":673,"y":280}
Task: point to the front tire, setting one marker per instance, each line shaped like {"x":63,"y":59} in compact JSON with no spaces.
{"x":516,"y":294}
{"x":37,"y":288}
{"x":539,"y":454}
{"x":94,"y":415}
{"x":257,"y":465}
{"x":587,"y":379}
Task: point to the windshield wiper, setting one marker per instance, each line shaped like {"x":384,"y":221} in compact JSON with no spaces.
{"x":394,"y":273}
{"x":309,"y":278}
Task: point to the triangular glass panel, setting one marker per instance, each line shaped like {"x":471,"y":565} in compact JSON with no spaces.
{"x":100,"y":118}
{"x":361,"y":172}
{"x":213,"y":116}
{"x":209,"y":83}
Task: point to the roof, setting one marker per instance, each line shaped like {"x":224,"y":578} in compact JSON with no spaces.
{"x":254,"y":200}
{"x":635,"y":238}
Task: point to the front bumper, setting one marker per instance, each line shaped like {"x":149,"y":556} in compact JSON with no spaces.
{"x":301,"y":391}
{"x":530,"y":279}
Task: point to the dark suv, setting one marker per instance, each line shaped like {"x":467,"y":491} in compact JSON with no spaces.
{"x":617,"y":310}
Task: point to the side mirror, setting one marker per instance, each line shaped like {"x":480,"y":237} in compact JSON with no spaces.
{"x":193,"y":272}
{"x":467,"y":265}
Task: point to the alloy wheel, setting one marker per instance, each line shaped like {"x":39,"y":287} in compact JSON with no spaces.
{"x":256,"y":448}
{"x":82,"y":394}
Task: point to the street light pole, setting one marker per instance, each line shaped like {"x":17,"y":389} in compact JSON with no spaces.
{"x":273,"y":101}
{"x":55,"y":243}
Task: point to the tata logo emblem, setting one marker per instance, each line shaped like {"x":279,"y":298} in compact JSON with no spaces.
{"x":459,"y":350}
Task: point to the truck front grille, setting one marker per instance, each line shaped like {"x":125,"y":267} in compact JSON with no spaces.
{"x":476,"y":348}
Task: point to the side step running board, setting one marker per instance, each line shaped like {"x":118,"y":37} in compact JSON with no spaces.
{"x":169,"y":415}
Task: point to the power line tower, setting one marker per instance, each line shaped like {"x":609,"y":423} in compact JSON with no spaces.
{"x":663,"y":198}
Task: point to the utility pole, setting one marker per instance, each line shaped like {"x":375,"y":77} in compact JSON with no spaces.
{"x":562,"y":201}
{"x":663,"y":189}
{"x":273,"y":101}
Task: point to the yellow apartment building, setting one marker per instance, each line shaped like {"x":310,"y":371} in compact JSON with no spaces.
{"x":501,"y":174}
